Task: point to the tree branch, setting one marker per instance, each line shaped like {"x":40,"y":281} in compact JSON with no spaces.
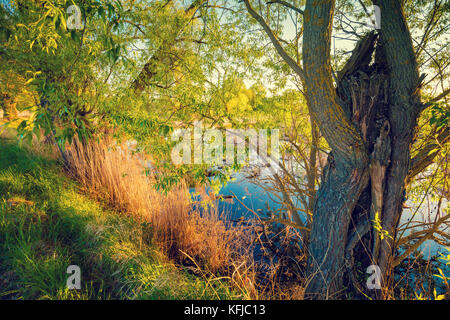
{"x":441,"y":96}
{"x":426,"y":155}
{"x":287,"y":4}
{"x":429,"y":234}
{"x":297,"y":69}
{"x":323,"y":102}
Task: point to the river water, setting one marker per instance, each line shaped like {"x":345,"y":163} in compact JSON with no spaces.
{"x":253,"y":196}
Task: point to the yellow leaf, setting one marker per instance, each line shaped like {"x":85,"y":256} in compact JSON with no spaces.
{"x":438,"y":297}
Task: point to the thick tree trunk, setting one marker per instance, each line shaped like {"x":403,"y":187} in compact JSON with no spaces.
{"x":347,"y":174}
{"x":346,"y":201}
{"x":404,"y":111}
{"x":381,"y":101}
{"x":342,"y":185}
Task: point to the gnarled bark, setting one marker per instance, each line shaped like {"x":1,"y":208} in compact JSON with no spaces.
{"x":404,"y":110}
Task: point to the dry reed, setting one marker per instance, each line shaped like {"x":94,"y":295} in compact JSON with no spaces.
{"x":203,"y":239}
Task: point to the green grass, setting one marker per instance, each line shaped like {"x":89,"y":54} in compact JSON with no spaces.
{"x":47,"y":224}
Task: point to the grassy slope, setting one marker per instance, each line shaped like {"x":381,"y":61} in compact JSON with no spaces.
{"x":46,"y":224}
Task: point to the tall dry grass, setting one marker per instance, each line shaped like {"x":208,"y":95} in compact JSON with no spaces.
{"x":200,"y":239}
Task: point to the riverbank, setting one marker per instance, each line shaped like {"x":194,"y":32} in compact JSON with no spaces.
{"x":47,"y":224}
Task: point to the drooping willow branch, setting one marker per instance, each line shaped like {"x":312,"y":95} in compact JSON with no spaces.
{"x":276,"y":43}
{"x":288,"y":5}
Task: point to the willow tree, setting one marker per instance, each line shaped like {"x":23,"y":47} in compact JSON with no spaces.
{"x":368,"y":113}
{"x":42,"y":54}
{"x":164,"y":56}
